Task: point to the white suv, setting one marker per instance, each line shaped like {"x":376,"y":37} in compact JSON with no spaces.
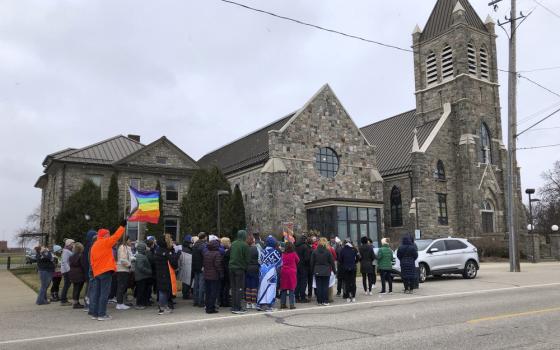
{"x":445,"y":256}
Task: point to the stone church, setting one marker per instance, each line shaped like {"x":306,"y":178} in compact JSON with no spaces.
{"x":439,"y":168}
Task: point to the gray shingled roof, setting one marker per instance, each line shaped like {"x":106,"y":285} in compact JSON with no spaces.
{"x":245,"y":152}
{"x":104,"y":152}
{"x":393,"y":138}
{"x":441,"y":18}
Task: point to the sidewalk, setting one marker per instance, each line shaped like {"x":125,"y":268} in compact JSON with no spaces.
{"x":15,"y":295}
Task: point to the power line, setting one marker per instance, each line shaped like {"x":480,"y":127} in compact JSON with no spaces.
{"x":545,"y":129}
{"x":318,"y":27}
{"x":537,"y":123}
{"x":537,"y":114}
{"x":546,"y":8}
{"x":539,"y":69}
{"x":352,"y":36}
{"x":539,"y":85}
{"x":537,"y":147}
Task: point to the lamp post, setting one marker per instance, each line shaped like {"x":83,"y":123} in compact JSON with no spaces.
{"x":220,"y":193}
{"x":531,"y":226}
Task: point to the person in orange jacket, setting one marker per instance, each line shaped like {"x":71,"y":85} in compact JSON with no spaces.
{"x":103,"y":266}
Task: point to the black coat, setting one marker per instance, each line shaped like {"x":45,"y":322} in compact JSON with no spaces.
{"x":347,"y":258}
{"x":367,"y":256}
{"x":407,"y":254}
{"x":303,"y":251}
{"x":78,"y":269}
{"x":161,"y":257}
{"x":322,"y":262}
{"x":253,"y":266}
{"x":212,"y":262}
{"x":198,"y":256}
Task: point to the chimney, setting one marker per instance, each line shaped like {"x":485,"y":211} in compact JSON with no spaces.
{"x":134,"y":137}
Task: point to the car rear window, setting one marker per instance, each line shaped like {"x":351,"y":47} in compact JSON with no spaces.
{"x":453,"y":244}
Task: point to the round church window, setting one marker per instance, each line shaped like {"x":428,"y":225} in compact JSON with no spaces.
{"x":327,"y":162}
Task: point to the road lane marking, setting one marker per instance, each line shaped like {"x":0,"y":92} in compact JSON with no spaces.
{"x":518,"y":314}
{"x":302,"y":311}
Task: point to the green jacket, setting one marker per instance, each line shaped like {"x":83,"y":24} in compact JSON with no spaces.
{"x":239,"y":258}
{"x":385,"y":258}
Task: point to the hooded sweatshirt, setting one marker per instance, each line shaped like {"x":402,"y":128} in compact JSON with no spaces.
{"x":101,"y":254}
{"x":87,"y":248}
{"x":239,"y":259}
{"x":142,"y":266}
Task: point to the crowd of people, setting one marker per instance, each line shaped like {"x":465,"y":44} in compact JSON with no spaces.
{"x":248,"y":273}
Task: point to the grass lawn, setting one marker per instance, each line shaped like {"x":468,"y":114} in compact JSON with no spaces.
{"x":30,"y":277}
{"x":16,"y":259}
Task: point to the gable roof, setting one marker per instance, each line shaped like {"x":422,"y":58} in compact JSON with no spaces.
{"x":393,"y":138}
{"x":441,"y":18}
{"x":244,"y":152}
{"x":104,"y":152}
{"x":161,"y":140}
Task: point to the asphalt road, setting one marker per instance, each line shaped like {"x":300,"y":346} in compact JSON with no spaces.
{"x":497,"y":311}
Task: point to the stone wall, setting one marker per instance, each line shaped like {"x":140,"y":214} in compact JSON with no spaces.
{"x":273,"y":198}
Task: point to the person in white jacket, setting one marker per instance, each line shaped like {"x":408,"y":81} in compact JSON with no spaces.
{"x":65,"y":269}
{"x":124,"y":263}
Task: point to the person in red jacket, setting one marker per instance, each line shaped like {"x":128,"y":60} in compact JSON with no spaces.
{"x":103,"y":266}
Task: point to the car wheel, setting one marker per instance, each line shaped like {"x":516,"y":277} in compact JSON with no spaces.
{"x":423,"y":269}
{"x":470,"y":271}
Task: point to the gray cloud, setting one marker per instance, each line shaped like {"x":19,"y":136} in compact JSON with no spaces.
{"x":204,"y":73}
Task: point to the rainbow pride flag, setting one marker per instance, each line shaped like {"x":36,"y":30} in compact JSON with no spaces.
{"x":144,"y":206}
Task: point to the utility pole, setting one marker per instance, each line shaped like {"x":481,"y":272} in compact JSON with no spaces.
{"x":512,"y":180}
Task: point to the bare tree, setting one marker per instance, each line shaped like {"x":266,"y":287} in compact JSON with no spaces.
{"x":547,"y":211}
{"x":27,"y":235}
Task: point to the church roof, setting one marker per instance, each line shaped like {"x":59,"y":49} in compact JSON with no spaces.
{"x":393,"y":138}
{"x":104,"y":152}
{"x":244,"y":152}
{"x":441,"y":18}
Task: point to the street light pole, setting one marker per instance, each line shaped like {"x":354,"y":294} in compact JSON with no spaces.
{"x":219,"y":226}
{"x":530,"y":191}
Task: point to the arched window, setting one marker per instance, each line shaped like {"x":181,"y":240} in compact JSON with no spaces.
{"x":327,"y":162}
{"x":431,"y":69}
{"x":440,"y":170}
{"x":447,"y":63}
{"x":396,"y":207}
{"x":484,"y":70}
{"x":487,"y":213}
{"x":471,"y":58}
{"x":485,"y":144}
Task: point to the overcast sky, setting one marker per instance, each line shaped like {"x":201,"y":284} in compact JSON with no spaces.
{"x":205,"y":72}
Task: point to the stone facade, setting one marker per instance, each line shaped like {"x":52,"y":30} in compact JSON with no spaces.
{"x":283,"y":189}
{"x":62,"y":178}
{"x":460,"y":104}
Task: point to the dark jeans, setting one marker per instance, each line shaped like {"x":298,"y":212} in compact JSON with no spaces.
{"x":349,"y":284}
{"x":386,"y":276}
{"x":310,"y":284}
{"x":237,"y":280}
{"x":211,"y":288}
{"x":322,"y":290}
{"x":368,"y":280}
{"x":225,"y":298}
{"x":114,"y":284}
{"x":290,"y":294}
{"x":339,"y":281}
{"x":64,"y":293}
{"x":122,"y":286}
{"x":163,"y":299}
{"x":76,"y":290}
{"x":143,"y":292}
{"x":198,"y":288}
{"x":302,"y":277}
{"x":55,"y":286}
{"x":185,"y":290}
{"x":100,"y":294}
{"x":408,"y":284}
{"x":150,"y":285}
{"x":46,"y":278}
